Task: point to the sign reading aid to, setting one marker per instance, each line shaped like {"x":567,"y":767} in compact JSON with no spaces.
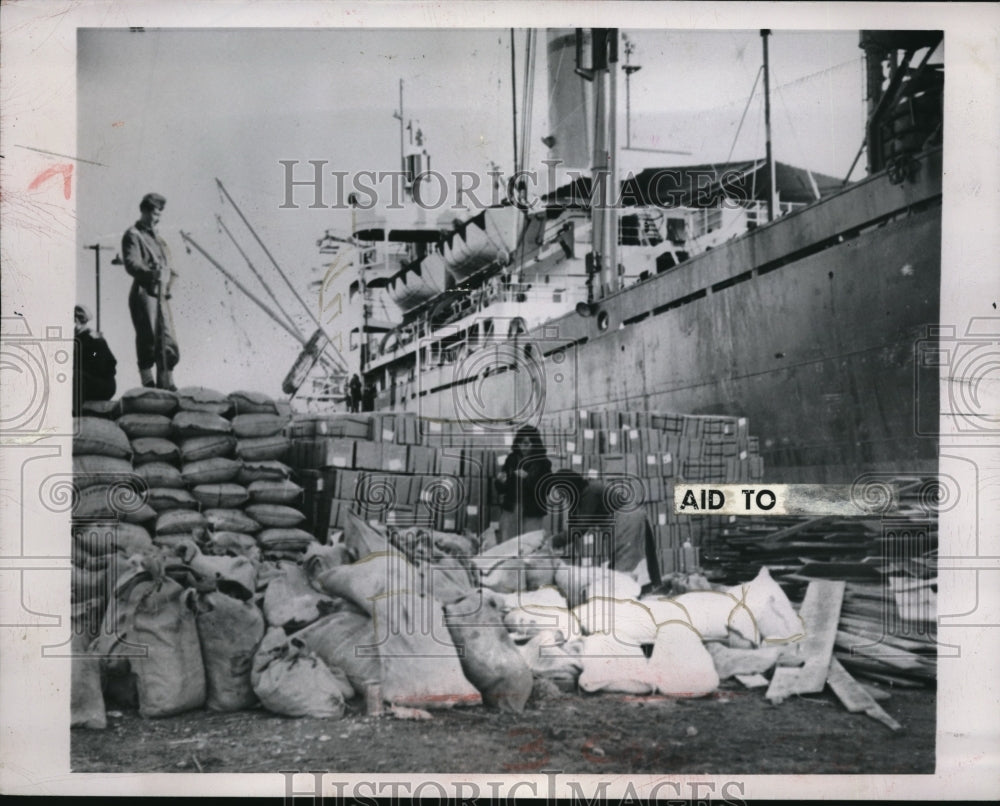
{"x":809,"y":500}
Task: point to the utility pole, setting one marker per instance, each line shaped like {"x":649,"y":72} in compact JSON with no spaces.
{"x":629,"y":69}
{"x":513,"y":94}
{"x":97,"y":270}
{"x":612,"y":44}
{"x":769,"y":159}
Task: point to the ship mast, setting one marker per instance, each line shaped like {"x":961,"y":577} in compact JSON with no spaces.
{"x":629,"y":69}
{"x":769,"y":158}
{"x":604,"y":75}
{"x":399,"y":116}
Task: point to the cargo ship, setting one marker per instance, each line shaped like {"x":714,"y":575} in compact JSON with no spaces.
{"x":798,"y":301}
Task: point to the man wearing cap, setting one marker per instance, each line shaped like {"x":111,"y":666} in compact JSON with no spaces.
{"x":94,"y":365}
{"x":147,"y":260}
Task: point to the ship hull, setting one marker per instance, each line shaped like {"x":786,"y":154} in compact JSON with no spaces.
{"x":810,"y":327}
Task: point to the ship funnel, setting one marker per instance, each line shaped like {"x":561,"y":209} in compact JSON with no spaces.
{"x":571,"y":104}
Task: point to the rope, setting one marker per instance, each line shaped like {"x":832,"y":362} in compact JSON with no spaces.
{"x":257,"y":274}
{"x":746,"y":109}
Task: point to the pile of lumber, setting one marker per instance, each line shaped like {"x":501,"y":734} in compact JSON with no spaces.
{"x":878,"y":574}
{"x":841,"y":644}
{"x":863,"y":549}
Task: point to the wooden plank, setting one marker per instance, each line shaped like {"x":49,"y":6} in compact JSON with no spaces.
{"x":877,"y":671}
{"x":898,"y":659}
{"x":789,"y":531}
{"x":865,"y":589}
{"x":880,"y":611}
{"x":854,"y":697}
{"x":791,"y":655}
{"x":851,"y":695}
{"x":782,"y":684}
{"x":839,"y":570}
{"x":730,"y":662}
{"x":876,"y":634}
{"x":876,"y":692}
{"x":820,"y":613}
{"x":752,"y":680}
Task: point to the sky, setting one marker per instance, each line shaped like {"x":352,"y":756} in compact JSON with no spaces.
{"x":172,"y":110}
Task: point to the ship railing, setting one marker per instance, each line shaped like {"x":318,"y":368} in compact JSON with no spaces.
{"x":640,"y":226}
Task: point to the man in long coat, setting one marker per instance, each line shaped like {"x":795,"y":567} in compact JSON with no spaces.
{"x":147,"y":260}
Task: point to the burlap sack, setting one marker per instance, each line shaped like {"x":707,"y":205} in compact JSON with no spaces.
{"x":345,"y":640}
{"x":86,"y":703}
{"x":233,"y":544}
{"x":255,"y":449}
{"x":275,"y":492}
{"x":488,"y":656}
{"x":154,"y":449}
{"x":144,"y":400}
{"x":549,"y":655}
{"x":165,"y":499}
{"x":210,"y":471}
{"x":263,"y":470}
{"x":680,"y":666}
{"x":180,"y":521}
{"x":234,"y":576}
{"x":127,"y":538}
{"x":289,"y":599}
{"x":152,"y":626}
{"x":202,"y":400}
{"x":220,"y":496}
{"x":631,"y":622}
{"x":194,"y":449}
{"x":92,"y":469}
{"x":275,"y":515}
{"x":252,"y":403}
{"x":772,"y":613}
{"x":95,"y":435}
{"x":229,"y":632}
{"x":420,"y":665}
{"x":258,"y":425}
{"x":231,"y":520}
{"x":160,"y":474}
{"x":284,"y":539}
{"x":137,"y":426}
{"x":291,"y":681}
{"x":123,"y":501}
{"x":609,"y":665}
{"x":108,"y":409}
{"x":186,"y":424}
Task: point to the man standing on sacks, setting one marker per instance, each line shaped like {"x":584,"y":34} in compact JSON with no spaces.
{"x":147,"y":260}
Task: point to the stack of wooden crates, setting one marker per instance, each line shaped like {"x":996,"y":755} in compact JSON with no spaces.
{"x":397,"y":468}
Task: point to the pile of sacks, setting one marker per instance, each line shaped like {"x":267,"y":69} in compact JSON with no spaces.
{"x":425,"y":615}
{"x":588,"y":627}
{"x":194,"y":464}
{"x":184,"y":630}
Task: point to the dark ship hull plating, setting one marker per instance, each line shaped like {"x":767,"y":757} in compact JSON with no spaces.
{"x":809,"y":326}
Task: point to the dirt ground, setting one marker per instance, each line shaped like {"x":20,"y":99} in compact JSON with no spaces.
{"x":734,"y":731}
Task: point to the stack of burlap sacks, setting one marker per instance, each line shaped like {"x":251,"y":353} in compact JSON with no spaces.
{"x":192,"y":482}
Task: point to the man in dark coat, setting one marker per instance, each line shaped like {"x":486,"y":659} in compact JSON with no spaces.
{"x":603,"y":527}
{"x":147,"y":260}
{"x":94,"y":365}
{"x":354,"y":393}
{"x":519,"y":482}
{"x":368,"y":397}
